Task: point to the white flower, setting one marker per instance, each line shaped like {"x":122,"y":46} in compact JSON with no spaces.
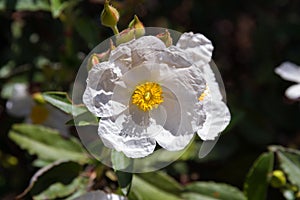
{"x":21,"y":104}
{"x":147,"y":93}
{"x":290,"y":72}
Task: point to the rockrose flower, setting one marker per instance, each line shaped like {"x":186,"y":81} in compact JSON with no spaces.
{"x":290,"y":72}
{"x":147,"y":93}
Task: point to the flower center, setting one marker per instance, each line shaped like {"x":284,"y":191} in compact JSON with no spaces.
{"x":147,"y":96}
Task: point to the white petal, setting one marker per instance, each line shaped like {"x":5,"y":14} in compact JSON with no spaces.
{"x":173,"y":143}
{"x":135,"y":52}
{"x":212,"y":84}
{"x":100,"y":85}
{"x":293,"y":92}
{"x":217,"y":119}
{"x":136,"y":76}
{"x":187,"y":86}
{"x":197,"y":47}
{"x":289,"y":71}
{"x":123,"y":134}
{"x":178,"y":131}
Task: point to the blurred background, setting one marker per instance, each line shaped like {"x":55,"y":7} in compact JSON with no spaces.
{"x":44,"y":43}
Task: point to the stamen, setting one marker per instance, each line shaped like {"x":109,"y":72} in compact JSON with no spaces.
{"x":147,"y":96}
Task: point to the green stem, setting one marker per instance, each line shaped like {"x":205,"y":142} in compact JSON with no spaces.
{"x":115,"y":30}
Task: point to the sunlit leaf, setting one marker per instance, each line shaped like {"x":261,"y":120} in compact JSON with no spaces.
{"x":59,"y":190}
{"x":62,"y":101}
{"x":162,"y":181}
{"x":84,"y":119}
{"x":146,"y":191}
{"x":121,"y":162}
{"x":211,"y":190}
{"x":47,"y":143}
{"x":256,"y":184}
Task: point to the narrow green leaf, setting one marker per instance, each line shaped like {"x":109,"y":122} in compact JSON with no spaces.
{"x":121,"y":162}
{"x":211,"y":190}
{"x":124,"y":180}
{"x":162,"y":181}
{"x":149,"y":191}
{"x":47,"y":143}
{"x":60,"y":190}
{"x":56,"y":8}
{"x":290,"y":164}
{"x":256,"y":183}
{"x":62,"y":101}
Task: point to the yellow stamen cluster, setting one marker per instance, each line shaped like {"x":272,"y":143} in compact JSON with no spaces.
{"x":203,"y":94}
{"x":147,"y":96}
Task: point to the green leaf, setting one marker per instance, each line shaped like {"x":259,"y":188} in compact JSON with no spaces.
{"x":60,"y":190}
{"x":162,"y":181}
{"x":84,"y":119}
{"x":211,"y":190}
{"x":196,"y":196}
{"x":31,"y":5}
{"x":124,"y":180}
{"x":57,"y":7}
{"x":62,"y":101}
{"x":121,"y":162}
{"x":256,"y":183}
{"x":59,"y":171}
{"x":290,"y":164}
{"x":88,"y":30}
{"x":47,"y":143}
{"x":146,"y":191}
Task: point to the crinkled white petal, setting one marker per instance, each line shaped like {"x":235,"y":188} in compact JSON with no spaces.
{"x":187,"y":86}
{"x":197,"y":47}
{"x":123,"y":134}
{"x":217,"y":119}
{"x":172,"y":139}
{"x":135,"y":52}
{"x":100,"y":85}
{"x":289,"y":71}
{"x":173,"y":143}
{"x":212,"y":83}
{"x":293,"y":92}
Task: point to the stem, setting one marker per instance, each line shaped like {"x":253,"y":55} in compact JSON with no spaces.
{"x":115,"y":29}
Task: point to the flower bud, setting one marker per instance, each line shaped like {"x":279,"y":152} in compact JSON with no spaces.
{"x":96,"y":58}
{"x":278,"y":179}
{"x":125,"y":36}
{"x":109,"y":16}
{"x":138,"y":26}
{"x":38,"y":98}
{"x":166,"y":38}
